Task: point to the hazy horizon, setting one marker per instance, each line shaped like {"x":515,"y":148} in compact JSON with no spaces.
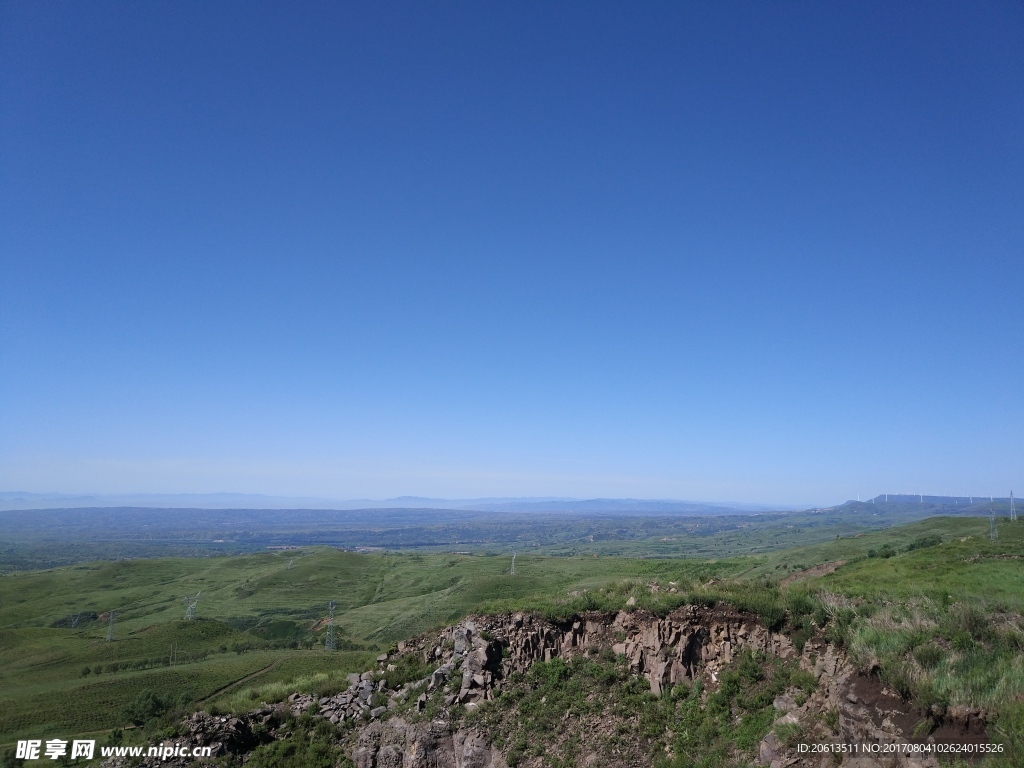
{"x":20,"y":500}
{"x":219,"y":499}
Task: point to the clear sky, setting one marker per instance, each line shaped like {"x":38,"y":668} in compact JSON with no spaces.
{"x":726,"y":251}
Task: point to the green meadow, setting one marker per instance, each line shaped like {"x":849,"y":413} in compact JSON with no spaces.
{"x":935,"y":604}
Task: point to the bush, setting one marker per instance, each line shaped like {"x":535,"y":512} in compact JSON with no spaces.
{"x":146,"y":706}
{"x":923,"y":542}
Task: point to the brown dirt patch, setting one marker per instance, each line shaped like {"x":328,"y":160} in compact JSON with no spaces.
{"x":808,"y":573}
{"x":918,"y":725}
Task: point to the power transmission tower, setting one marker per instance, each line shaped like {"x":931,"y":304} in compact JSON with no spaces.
{"x":1013,"y":509}
{"x":74,"y":619}
{"x":110,"y":628}
{"x":330,"y":643}
{"x":993,"y":531}
{"x":291,"y":560}
{"x":190,"y":606}
{"x":513,"y":571}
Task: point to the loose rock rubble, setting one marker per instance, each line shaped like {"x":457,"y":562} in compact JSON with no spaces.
{"x":361,"y":697}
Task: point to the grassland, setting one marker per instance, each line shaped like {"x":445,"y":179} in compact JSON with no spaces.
{"x":935,"y":604}
{"x":258,"y":620}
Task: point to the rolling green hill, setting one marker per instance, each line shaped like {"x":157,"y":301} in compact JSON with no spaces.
{"x":260,"y":616}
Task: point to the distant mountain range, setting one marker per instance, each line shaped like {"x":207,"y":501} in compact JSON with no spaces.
{"x":20,"y":500}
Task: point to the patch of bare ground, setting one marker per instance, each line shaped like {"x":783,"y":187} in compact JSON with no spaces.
{"x":824,"y":569}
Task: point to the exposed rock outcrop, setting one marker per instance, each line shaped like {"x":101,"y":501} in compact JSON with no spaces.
{"x":471,"y":661}
{"x":689,"y":642}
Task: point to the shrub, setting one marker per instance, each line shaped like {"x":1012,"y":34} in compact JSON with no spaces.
{"x":923,"y":542}
{"x":145,"y":707}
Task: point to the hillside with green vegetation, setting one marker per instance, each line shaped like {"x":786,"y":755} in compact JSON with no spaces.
{"x":935,"y":606}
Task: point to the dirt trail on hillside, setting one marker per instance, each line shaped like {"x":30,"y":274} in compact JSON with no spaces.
{"x":819,"y":570}
{"x":239,"y":681}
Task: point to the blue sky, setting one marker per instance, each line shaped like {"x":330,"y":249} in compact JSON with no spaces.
{"x":744,"y":251}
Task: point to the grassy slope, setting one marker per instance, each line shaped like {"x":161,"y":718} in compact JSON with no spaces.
{"x":976,"y":569}
{"x":381,"y":598}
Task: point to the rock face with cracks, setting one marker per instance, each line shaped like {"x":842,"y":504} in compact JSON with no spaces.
{"x":399,"y":744}
{"x":472,"y":659}
{"x":688,"y":644}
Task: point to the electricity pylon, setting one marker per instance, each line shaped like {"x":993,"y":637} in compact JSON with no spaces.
{"x":513,"y":571}
{"x":190,"y":606}
{"x":330,"y":643}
